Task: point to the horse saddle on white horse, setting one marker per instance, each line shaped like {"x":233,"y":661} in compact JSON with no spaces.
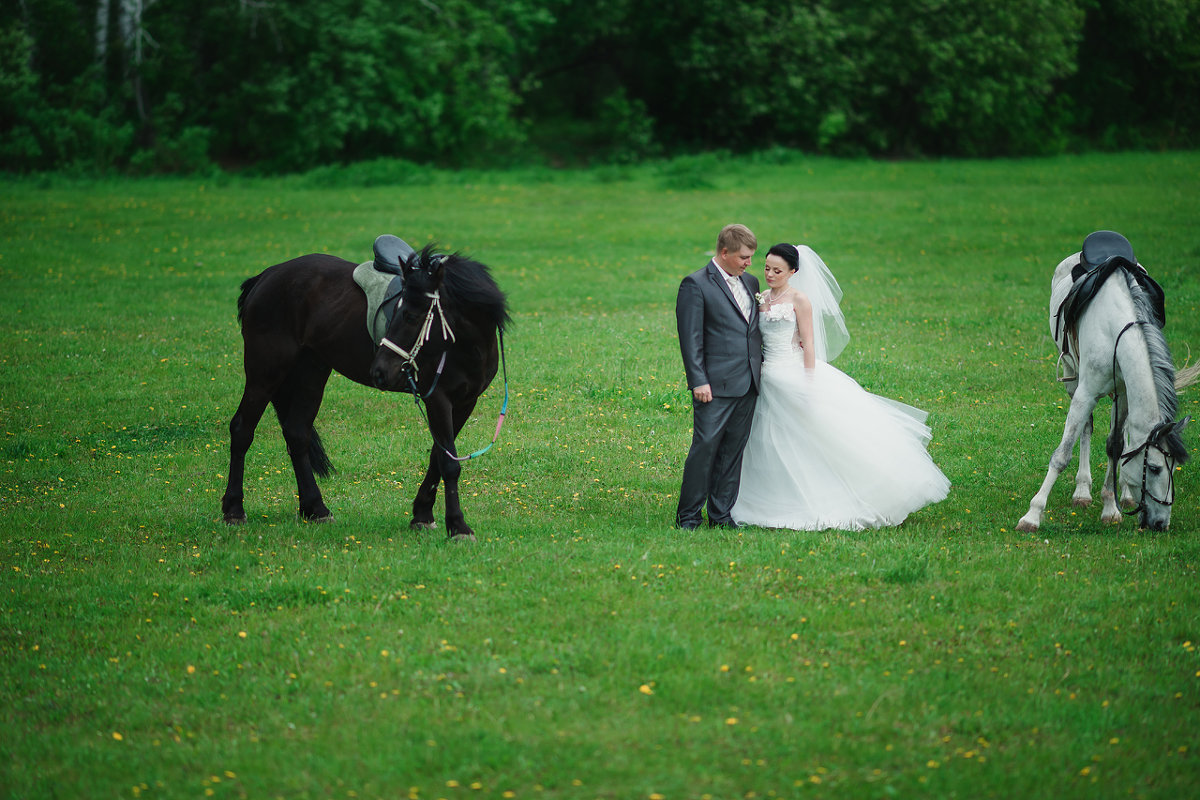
{"x":382,"y":282}
{"x":1104,"y":252}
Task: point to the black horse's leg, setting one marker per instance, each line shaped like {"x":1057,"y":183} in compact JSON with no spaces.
{"x":427,"y":493}
{"x":241,"y":436}
{"x":445,"y":421}
{"x":438,"y":416}
{"x":456,"y":523}
{"x":297,"y":403}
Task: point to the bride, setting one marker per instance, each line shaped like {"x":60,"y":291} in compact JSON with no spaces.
{"x":823,"y":452}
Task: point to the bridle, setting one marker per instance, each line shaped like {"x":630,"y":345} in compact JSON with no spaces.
{"x":409,"y":368}
{"x":1152,"y":442}
{"x":410,"y":356}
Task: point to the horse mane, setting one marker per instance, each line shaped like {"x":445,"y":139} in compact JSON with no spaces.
{"x":466,"y":283}
{"x":1161,"y":364}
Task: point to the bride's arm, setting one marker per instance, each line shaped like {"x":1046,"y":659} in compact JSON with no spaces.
{"x":804,"y":328}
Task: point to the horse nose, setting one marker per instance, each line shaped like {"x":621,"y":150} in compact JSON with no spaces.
{"x":377,"y":377}
{"x":1156,"y":522}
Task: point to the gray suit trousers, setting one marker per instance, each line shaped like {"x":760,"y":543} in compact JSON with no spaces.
{"x":713,"y":469}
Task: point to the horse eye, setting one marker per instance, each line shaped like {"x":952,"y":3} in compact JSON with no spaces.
{"x":1154,"y":469}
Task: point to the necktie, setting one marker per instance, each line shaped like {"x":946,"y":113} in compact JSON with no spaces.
{"x":740,"y":295}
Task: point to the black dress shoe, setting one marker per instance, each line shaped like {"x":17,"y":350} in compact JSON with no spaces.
{"x":728,"y":524}
{"x":687,"y":526}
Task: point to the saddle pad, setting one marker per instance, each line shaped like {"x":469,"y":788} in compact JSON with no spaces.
{"x":382,"y":289}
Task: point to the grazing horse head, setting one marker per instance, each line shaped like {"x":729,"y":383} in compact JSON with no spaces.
{"x":1149,"y":473}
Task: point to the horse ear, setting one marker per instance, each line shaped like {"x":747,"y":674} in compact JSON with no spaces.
{"x":1179,"y":450}
{"x":437,"y":269}
{"x":406,"y":265}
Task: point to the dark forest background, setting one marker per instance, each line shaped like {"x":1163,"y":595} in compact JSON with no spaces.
{"x":150,"y":86}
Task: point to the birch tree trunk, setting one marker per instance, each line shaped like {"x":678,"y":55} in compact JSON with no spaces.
{"x":102,"y":8}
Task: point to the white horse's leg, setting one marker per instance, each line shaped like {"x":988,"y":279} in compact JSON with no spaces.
{"x":1079,"y":413}
{"x":1083,"y":477}
{"x":1109,"y":512}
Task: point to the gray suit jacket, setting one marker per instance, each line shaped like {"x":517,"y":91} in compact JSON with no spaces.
{"x":719,"y":346}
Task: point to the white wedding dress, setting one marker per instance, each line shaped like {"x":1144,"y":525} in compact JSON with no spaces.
{"x":824,"y":452}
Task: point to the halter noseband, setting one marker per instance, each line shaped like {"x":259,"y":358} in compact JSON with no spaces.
{"x":423,"y":335}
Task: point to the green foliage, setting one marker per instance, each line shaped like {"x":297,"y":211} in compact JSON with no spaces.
{"x":1139,"y":70}
{"x":376,"y":172}
{"x":692,"y":172}
{"x":287,"y":87}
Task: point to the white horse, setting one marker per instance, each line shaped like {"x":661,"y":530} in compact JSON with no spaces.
{"x":1117,"y":348}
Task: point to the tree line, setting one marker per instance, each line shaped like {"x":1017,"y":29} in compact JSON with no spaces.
{"x":288,"y":85}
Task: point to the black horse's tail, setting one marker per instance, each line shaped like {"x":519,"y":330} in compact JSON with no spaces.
{"x":247,"y":285}
{"x":318,"y":458}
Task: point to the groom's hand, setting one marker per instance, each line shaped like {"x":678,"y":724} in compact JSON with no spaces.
{"x":703,"y":394}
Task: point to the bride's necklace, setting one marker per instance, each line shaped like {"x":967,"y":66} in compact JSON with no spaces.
{"x":773,"y":298}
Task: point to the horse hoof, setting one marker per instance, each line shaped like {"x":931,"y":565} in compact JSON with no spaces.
{"x":318,"y":520}
{"x":235,"y":519}
{"x":422,"y":526}
{"x":1081,"y":502}
{"x":1027,"y":527}
{"x":463,"y":537}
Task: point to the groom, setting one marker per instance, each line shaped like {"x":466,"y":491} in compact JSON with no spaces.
{"x":722,"y":356}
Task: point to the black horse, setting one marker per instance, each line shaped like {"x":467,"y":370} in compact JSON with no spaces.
{"x":306,"y":317}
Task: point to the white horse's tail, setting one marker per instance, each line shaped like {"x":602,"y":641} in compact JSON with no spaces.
{"x":1187,"y":376}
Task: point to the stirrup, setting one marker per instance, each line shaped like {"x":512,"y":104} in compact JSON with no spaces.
{"x":1063,"y":370}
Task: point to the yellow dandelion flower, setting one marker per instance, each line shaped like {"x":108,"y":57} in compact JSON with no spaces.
{"x":118,"y":736}
{"x":731,"y":721}
{"x":644,"y":689}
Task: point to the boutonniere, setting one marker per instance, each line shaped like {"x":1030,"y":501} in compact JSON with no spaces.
{"x":760,"y":298}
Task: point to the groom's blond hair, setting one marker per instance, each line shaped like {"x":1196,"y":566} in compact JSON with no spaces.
{"x":734,"y":237}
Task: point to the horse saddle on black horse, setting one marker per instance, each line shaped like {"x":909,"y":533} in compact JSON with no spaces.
{"x":1104,"y":252}
{"x":382,"y":281}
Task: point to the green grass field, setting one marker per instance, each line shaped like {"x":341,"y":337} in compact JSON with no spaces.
{"x":583,"y":647}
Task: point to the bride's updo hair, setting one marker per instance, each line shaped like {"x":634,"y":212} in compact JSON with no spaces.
{"x":788,"y":253}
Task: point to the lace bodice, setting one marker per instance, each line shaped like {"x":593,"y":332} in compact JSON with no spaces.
{"x":778,"y":325}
